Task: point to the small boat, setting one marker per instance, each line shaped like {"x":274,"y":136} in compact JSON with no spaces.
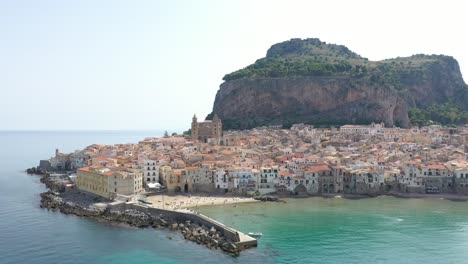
{"x":255,"y":234}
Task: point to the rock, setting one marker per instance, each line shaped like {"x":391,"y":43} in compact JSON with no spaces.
{"x":246,"y":101}
{"x":266,"y":198}
{"x":74,"y":205}
{"x":212,"y":231}
{"x":164,"y":222}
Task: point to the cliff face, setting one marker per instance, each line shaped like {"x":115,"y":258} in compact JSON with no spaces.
{"x":361,"y":93}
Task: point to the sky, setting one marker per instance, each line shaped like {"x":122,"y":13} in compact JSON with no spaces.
{"x":152,"y":65}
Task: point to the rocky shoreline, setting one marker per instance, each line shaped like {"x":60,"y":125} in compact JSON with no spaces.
{"x":57,"y":199}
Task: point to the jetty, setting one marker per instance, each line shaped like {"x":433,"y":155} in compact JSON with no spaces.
{"x":193,"y":226}
{"x":241,"y":240}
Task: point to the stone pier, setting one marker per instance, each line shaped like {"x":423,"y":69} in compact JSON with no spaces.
{"x":241,"y":240}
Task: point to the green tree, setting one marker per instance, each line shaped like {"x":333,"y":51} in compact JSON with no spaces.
{"x":188,"y":132}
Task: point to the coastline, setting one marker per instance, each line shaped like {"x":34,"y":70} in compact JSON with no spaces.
{"x":445,"y":196}
{"x":73,"y":201}
{"x":191,"y":225}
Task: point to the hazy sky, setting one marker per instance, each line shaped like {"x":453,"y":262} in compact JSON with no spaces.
{"x":153,"y":64}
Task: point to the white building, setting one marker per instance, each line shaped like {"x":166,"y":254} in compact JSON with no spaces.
{"x":268,"y":179}
{"x":411,"y":175}
{"x":150,"y":171}
{"x":222,"y":180}
{"x":372,"y":129}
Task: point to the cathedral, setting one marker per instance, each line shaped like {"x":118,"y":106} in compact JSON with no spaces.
{"x":208,"y":129}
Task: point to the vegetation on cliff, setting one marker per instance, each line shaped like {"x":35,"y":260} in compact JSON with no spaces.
{"x":447,"y":113}
{"x":312,"y":57}
{"x":313,"y":82}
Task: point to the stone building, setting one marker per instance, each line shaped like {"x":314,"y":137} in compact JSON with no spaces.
{"x":108,"y":182}
{"x":60,"y":162}
{"x":171,"y":178}
{"x":208,"y":129}
{"x":371,"y":129}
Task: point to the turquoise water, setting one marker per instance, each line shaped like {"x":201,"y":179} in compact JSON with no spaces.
{"x":313,"y":230}
{"x":377,"y":230}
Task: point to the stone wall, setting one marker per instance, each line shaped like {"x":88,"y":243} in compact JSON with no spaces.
{"x":181,"y":217}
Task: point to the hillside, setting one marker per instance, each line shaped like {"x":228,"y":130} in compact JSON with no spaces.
{"x":314,"y":82}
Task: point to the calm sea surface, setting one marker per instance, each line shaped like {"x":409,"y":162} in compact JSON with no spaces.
{"x":314,"y":230}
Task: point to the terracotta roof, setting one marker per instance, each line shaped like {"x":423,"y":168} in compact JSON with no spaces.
{"x":317,"y":168}
{"x":435,"y":166}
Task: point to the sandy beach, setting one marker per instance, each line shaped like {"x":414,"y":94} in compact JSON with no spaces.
{"x":186,"y":201}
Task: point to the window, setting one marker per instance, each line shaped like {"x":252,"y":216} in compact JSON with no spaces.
{"x":149,"y":179}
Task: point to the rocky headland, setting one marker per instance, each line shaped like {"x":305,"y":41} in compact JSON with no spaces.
{"x":310,"y":81}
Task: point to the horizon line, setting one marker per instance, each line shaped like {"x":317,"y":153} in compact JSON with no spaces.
{"x":91,"y":130}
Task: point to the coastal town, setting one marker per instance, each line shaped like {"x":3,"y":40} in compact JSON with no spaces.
{"x":161,"y":181}
{"x":303,"y":160}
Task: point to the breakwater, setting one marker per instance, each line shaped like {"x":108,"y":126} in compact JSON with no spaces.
{"x":192,"y":225}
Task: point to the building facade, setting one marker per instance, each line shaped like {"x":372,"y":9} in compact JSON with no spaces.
{"x":108,"y":182}
{"x":208,"y":129}
{"x":150,"y":171}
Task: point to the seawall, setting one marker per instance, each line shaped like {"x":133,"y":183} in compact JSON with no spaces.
{"x":193,"y":226}
{"x":241,"y":240}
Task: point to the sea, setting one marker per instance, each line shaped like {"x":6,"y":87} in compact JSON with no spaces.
{"x":305,"y":230}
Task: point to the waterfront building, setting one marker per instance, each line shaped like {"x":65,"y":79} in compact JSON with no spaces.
{"x":412,"y":175}
{"x":170,"y":178}
{"x":125,"y":181}
{"x":60,"y":161}
{"x":221,"y":180}
{"x":94,"y":180}
{"x":203,"y":178}
{"x":460,"y":176}
{"x":268,"y":179}
{"x":436,"y":178}
{"x":317,"y":174}
{"x":108,"y":182}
